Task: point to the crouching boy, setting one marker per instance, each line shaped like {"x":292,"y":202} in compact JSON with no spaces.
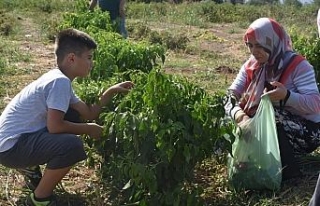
{"x":33,"y":127}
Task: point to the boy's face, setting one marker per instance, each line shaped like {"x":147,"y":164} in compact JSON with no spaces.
{"x":83,"y":63}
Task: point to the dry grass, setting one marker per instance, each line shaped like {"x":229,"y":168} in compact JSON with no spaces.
{"x":204,"y":66}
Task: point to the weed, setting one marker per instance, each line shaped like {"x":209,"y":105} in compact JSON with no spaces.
{"x":6,"y":23}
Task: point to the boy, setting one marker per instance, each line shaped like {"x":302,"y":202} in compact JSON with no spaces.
{"x":33,"y":130}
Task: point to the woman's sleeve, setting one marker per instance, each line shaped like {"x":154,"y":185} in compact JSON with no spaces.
{"x":235,"y":92}
{"x":305,"y":96}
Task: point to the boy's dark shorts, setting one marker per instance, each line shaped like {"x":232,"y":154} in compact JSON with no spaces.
{"x":41,"y":147}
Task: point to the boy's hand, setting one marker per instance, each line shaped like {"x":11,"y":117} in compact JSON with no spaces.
{"x":95,"y":130}
{"x":123,"y":87}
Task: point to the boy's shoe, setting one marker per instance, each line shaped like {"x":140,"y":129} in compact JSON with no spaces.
{"x":32,"y":176}
{"x":30,"y":201}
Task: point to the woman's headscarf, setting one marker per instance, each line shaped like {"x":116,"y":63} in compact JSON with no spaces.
{"x":275,"y":40}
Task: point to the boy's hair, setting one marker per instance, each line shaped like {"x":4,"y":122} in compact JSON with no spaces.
{"x":72,"y":41}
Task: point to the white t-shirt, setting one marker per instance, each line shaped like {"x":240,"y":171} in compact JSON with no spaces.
{"x":27,"y":111}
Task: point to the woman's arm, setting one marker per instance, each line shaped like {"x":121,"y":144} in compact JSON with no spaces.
{"x":304,"y":93}
{"x":235,"y":92}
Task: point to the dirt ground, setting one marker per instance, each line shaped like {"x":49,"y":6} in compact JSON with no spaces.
{"x":82,"y":185}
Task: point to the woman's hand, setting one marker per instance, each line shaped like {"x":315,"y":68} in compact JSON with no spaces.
{"x":240,"y":117}
{"x":277,"y":94}
{"x":244,"y":119}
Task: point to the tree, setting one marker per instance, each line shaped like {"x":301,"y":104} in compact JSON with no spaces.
{"x":295,"y":3}
{"x":262,"y":2}
{"x":316,"y":2}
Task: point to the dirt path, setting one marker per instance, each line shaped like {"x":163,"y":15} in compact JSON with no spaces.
{"x":82,"y":184}
{"x":31,"y":42}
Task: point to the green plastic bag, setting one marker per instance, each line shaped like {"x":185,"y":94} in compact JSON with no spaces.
{"x":256,"y":162}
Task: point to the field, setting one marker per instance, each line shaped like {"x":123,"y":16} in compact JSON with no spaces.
{"x":206,"y":52}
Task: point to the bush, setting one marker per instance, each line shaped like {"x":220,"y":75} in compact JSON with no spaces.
{"x":155,"y":136}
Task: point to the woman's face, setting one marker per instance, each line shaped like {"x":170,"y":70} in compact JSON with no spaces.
{"x":257,"y":51}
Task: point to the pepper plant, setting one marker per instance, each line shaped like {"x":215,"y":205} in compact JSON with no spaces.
{"x":156,"y":135}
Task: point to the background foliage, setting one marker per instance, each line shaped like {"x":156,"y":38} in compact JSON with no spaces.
{"x":170,"y":127}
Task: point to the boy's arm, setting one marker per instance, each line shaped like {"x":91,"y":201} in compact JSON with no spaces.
{"x":93,"y":3}
{"x":92,"y":112}
{"x":57,"y":124}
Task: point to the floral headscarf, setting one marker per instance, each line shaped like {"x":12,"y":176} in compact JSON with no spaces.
{"x":275,"y":40}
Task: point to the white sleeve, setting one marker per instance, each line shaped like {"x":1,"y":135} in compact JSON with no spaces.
{"x":74,"y":98}
{"x":60,"y":94}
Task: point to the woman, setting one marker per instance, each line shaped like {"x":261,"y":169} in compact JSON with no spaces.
{"x":289,"y":80}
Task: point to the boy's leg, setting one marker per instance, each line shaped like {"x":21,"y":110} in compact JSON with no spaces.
{"x":59,"y":151}
{"x":32,"y":175}
{"x":50,"y":179}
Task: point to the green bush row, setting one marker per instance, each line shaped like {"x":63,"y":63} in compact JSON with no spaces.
{"x":155,"y":135}
{"x":199,"y":13}
{"x":309,"y":47}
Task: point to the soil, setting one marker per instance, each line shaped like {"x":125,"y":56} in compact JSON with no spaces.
{"x":83,"y":179}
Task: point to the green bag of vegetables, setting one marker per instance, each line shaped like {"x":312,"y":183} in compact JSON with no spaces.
{"x":255,"y":162}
